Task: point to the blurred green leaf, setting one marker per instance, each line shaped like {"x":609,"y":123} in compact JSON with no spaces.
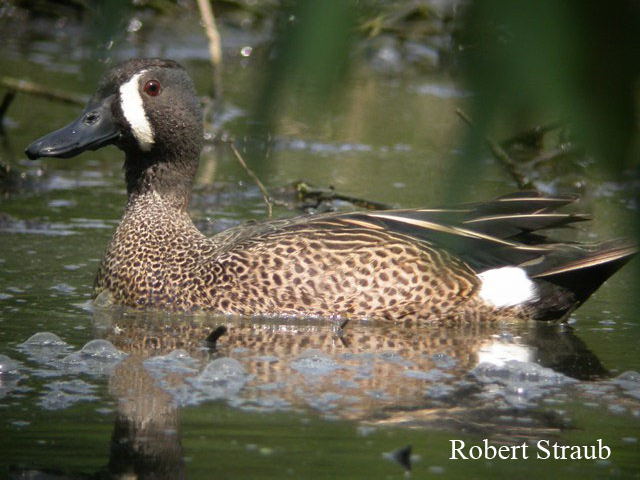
{"x":311,"y":50}
{"x":574,"y":60}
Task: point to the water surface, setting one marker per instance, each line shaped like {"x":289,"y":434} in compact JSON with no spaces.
{"x":110,"y":391}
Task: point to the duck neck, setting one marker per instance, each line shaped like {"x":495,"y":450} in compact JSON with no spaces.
{"x":171,"y":178}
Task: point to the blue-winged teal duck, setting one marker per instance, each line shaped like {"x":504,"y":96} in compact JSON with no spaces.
{"x":476,"y":261}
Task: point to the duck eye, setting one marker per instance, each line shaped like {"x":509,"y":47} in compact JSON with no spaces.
{"x":152,"y":88}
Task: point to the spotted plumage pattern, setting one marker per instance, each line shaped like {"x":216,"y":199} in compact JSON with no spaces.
{"x":481,"y":261}
{"x":323,"y":266}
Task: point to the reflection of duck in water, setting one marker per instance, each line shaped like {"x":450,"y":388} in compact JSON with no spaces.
{"x":372,"y":372}
{"x":145,"y":442}
{"x":408,"y":376}
{"x":478,"y":261}
{"x":358,"y":371}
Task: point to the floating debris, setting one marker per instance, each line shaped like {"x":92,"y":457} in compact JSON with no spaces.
{"x":402,"y":456}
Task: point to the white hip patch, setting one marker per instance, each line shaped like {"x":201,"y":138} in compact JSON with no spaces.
{"x":133,"y":110}
{"x":506,"y":287}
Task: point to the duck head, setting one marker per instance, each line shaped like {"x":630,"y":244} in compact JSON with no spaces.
{"x":149,"y":109}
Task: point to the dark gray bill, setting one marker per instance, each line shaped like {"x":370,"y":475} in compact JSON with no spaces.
{"x":95,"y":128}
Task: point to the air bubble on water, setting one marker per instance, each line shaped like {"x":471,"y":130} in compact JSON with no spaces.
{"x":8,"y":366}
{"x":177,"y":361}
{"x":97,"y":357}
{"x":313,"y":363}
{"x":44,"y":339}
{"x":221,"y":379}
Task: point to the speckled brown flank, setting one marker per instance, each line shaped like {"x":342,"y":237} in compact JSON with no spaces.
{"x":418,"y":264}
{"x":157,"y":258}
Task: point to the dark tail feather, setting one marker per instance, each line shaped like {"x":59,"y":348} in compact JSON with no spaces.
{"x":584,"y":275}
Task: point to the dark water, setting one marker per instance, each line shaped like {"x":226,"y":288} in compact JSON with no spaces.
{"x":108,"y":392}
